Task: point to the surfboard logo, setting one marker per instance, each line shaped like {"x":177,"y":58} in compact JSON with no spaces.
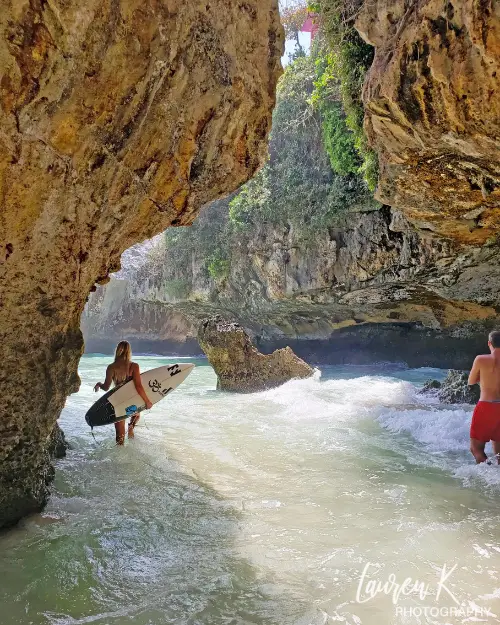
{"x":155,"y":386}
{"x":131,"y":409}
{"x":174,"y":370}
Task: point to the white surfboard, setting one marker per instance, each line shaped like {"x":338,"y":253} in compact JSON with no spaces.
{"x":124,"y":401}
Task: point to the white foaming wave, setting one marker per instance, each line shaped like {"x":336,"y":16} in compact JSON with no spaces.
{"x":373,"y":391}
{"x":337,"y":401}
{"x":470,"y":473}
{"x":365,"y":391}
{"x":438,"y":430}
{"x":445,"y":435}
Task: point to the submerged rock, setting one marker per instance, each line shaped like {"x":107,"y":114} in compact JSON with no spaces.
{"x":58,"y":444}
{"x":431,"y":386}
{"x":242,"y":368}
{"x":453,"y":389}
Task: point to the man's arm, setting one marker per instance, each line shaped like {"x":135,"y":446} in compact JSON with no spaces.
{"x":474,"y":374}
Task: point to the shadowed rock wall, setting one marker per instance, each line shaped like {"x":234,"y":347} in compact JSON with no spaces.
{"x":118,"y":118}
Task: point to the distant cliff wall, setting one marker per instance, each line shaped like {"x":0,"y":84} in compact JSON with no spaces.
{"x":353,"y":293}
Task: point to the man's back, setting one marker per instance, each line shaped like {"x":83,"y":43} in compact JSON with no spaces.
{"x":486,"y":371}
{"x":485,"y":425}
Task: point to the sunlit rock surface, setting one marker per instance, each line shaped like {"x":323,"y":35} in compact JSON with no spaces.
{"x":433,"y":111}
{"x":242,"y":368}
{"x":118,"y":119}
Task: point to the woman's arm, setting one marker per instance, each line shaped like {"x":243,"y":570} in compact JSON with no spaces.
{"x":136,"y":376}
{"x":107,"y":382}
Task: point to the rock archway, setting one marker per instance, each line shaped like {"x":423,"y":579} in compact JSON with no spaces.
{"x":118,"y":118}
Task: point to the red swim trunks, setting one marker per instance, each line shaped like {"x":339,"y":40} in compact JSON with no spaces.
{"x":485,"y":424}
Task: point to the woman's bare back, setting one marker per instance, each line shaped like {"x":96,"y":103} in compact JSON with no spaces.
{"x":121,"y":371}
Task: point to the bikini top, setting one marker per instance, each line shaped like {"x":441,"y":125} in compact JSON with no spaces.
{"x":121,"y":382}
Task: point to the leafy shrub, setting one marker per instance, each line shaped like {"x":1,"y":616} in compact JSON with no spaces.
{"x":348,"y":58}
{"x":252,"y":201}
{"x":218,"y":266}
{"x":339,"y":141}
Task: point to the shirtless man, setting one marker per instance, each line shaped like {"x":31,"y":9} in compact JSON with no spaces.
{"x":485,"y":424}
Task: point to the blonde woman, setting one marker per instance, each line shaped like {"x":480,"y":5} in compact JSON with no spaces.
{"x":119,"y":372}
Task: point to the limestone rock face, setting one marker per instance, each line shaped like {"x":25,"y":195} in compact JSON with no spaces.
{"x":242,"y":368}
{"x":118,"y":118}
{"x":375,"y":270}
{"x":433,"y":111}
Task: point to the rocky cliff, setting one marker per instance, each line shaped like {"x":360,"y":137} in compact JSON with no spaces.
{"x":355,"y":293}
{"x":118,"y":119}
{"x":306,"y":258}
{"x":433,"y":111}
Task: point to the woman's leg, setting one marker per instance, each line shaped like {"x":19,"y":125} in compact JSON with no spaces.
{"x":133,"y":422}
{"x":120,"y":432}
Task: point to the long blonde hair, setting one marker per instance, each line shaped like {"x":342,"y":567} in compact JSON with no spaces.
{"x":123,"y":351}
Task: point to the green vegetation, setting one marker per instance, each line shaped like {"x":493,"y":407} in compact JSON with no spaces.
{"x":299,"y":186}
{"x":319,"y":167}
{"x":202,"y":247}
{"x":344,"y":59}
{"x":218,"y":265}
